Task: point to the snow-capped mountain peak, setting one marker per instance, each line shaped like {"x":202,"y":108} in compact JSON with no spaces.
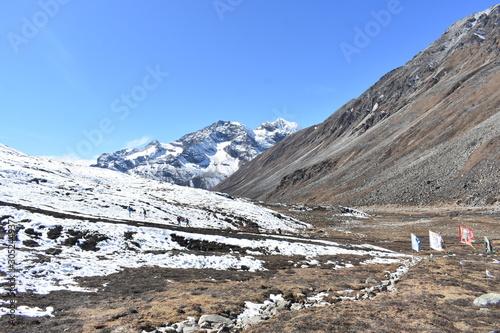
{"x":200,"y":159}
{"x":270,"y":133}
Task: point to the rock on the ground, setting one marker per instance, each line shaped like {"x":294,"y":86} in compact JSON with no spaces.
{"x":487,"y":299}
{"x":213,"y":319}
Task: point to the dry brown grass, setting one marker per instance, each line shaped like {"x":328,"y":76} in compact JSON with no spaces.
{"x":435,"y":296}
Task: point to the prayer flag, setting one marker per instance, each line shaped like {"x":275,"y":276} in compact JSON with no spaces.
{"x":466,"y":235}
{"x":436,"y":241}
{"x":415,"y":243}
{"x":487,"y":245}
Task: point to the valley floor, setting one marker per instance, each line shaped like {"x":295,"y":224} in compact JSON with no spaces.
{"x":436,"y":295}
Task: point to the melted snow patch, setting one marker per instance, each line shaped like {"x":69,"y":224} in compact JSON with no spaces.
{"x":26,"y":311}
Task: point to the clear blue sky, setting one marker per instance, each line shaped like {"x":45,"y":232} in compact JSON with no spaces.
{"x":88,"y":77}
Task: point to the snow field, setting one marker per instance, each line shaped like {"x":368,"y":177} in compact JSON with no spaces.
{"x":101,"y":193}
{"x":144,"y":246}
{"x":72,"y":222}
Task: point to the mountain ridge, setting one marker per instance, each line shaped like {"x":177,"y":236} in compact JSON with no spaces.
{"x":200,"y":159}
{"x":406,"y":140}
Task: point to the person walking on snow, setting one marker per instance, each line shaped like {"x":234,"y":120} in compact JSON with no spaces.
{"x":144,"y":213}
{"x":129,"y":211}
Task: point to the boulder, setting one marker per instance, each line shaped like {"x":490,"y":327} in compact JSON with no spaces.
{"x":213,"y":319}
{"x":487,"y":299}
{"x":282,"y":304}
{"x":296,"y":306}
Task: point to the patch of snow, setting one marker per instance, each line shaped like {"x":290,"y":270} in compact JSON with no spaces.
{"x":27,"y":311}
{"x":379,"y":260}
{"x":479,"y":35}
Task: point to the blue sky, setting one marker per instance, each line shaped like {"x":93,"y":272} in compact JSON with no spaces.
{"x":88,"y":77}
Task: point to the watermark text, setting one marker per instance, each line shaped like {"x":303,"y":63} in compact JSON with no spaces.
{"x":121,"y":107}
{"x":373,"y":28}
{"x":31,"y":26}
{"x":11,"y":288}
{"x":223,"y":6}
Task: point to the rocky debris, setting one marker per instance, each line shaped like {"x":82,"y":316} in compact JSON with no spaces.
{"x":204,"y":245}
{"x":53,"y":251}
{"x":86,"y":240}
{"x":487,"y":299}
{"x":32,"y":233}
{"x":30,"y":243}
{"x":210,"y":323}
{"x":257,"y":312}
{"x":37,"y":180}
{"x":55,"y":232}
{"x":353,"y":212}
{"x":387,"y":285}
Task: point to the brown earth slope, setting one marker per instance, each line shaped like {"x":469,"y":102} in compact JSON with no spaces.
{"x":426,"y":133}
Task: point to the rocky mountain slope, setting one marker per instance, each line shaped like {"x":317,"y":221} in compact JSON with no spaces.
{"x":426,"y":133}
{"x":201,"y":159}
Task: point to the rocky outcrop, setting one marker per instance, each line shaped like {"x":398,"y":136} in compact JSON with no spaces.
{"x":425,"y":134}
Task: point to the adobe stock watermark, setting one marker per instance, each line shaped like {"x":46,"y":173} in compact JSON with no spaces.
{"x":122,"y":108}
{"x":31,"y":26}
{"x":363,"y":36}
{"x":283,"y":114}
{"x":223,"y":6}
{"x":11,"y":287}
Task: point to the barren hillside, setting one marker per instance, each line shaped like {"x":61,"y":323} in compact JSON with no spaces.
{"x":426,"y":133}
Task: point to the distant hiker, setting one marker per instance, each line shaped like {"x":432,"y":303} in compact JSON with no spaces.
{"x":129,"y":211}
{"x":179,"y":219}
{"x":187,"y":222}
{"x":144,"y":213}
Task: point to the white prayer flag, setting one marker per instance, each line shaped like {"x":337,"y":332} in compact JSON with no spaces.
{"x":436,"y":241}
{"x":415,"y":243}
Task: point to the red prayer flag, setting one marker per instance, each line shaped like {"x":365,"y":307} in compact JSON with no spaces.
{"x":466,"y":235}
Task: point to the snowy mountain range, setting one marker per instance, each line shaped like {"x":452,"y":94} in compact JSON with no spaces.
{"x":201,"y":159}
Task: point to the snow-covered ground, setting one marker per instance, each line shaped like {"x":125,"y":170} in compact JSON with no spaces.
{"x":72,"y":222}
{"x":101,"y":193}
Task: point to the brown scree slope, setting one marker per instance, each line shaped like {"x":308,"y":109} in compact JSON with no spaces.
{"x":426,"y":133}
